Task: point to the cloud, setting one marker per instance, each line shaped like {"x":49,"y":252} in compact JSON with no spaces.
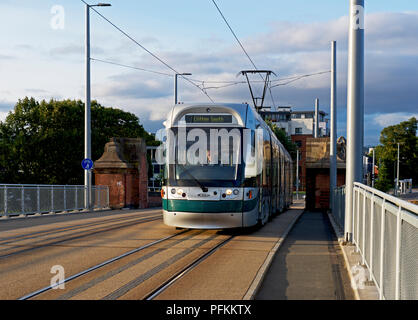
{"x":5,"y":108}
{"x":5,"y":105}
{"x":73,"y":49}
{"x":131,"y":86}
{"x":288,"y":48}
{"x":6,"y":57}
{"x":390,"y":119}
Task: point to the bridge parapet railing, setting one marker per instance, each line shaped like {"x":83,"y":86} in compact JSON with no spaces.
{"x":385,"y":235}
{"x":27,"y":199}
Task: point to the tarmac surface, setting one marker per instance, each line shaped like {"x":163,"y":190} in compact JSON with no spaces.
{"x":309,"y":264}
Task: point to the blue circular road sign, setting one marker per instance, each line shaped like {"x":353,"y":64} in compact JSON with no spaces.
{"x":87,"y":164}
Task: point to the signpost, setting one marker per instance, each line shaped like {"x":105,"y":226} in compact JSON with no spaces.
{"x":87,"y":164}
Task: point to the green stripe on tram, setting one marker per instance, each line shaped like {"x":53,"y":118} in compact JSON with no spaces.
{"x":209,"y":206}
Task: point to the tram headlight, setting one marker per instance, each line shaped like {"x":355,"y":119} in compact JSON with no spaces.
{"x":179,"y":192}
{"x":236,"y":191}
{"x":173,"y":190}
{"x":228,"y":192}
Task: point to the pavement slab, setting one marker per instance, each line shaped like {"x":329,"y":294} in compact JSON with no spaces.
{"x":309,"y":265}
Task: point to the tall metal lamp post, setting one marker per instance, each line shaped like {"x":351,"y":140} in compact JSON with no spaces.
{"x":87,"y":119}
{"x":175,"y":84}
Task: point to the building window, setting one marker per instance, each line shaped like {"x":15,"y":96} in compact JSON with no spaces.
{"x":298,"y":143}
{"x":298,"y":130}
{"x":309,"y":115}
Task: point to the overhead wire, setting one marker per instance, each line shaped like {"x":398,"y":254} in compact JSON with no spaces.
{"x":192,"y":81}
{"x":145,"y":49}
{"x":224,"y":82}
{"x":131,"y":67}
{"x":300,"y":77}
{"x":242,"y":47}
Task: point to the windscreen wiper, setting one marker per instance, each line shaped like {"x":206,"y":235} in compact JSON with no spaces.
{"x":204,"y":189}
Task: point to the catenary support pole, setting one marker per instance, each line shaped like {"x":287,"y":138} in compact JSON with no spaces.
{"x":333,"y":131}
{"x":397,"y":175}
{"x":297,"y":174}
{"x":175,"y":88}
{"x":316,"y":126}
{"x":355,"y":109}
{"x":87,"y":120}
{"x":373,"y":171}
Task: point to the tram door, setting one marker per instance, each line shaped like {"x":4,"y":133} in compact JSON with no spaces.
{"x":267,"y":172}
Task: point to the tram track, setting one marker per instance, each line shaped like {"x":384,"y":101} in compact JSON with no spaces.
{"x":37,"y":234}
{"x":100,"y":265}
{"x":155,"y":270}
{"x":184,"y":271}
{"x":74,"y":236}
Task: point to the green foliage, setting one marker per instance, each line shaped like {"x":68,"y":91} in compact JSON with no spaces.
{"x":284,"y":139}
{"x":43,"y":142}
{"x":387,"y":154}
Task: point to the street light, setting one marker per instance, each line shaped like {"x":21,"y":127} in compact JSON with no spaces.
{"x":175,"y":84}
{"x":87,"y":119}
{"x":297,"y":174}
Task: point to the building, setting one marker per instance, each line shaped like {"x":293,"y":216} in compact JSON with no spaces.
{"x":297,"y":122}
{"x":299,"y":125}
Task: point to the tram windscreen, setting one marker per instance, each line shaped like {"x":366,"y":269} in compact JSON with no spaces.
{"x":208,"y":154}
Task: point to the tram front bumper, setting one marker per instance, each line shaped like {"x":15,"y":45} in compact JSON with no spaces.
{"x":200,"y":220}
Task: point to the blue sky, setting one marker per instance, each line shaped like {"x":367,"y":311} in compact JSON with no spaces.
{"x":288,"y":37}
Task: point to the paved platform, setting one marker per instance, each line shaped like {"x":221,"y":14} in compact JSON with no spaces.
{"x":309,"y":264}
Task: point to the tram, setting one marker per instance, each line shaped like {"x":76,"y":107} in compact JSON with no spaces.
{"x":223,"y":168}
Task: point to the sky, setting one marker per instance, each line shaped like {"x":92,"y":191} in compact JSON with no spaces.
{"x":42,"y":54}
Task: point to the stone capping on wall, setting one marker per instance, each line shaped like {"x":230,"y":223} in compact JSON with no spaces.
{"x":317,"y":153}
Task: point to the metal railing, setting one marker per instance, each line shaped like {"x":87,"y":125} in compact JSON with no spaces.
{"x":385,"y":235}
{"x":26,"y":199}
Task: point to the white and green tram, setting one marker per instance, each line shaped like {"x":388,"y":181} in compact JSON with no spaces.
{"x":223,"y":168}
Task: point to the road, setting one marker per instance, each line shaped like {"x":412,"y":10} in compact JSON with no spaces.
{"x":150,"y":254}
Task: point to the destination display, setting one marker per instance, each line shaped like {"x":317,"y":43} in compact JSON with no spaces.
{"x":209,"y":118}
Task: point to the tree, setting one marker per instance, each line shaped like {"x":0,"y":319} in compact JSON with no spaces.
{"x":386,"y":153}
{"x":43,"y":142}
{"x":284,"y":139}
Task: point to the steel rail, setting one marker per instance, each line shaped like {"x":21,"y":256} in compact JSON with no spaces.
{"x":80,"y":234}
{"x":81,"y":273}
{"x":185,"y":270}
{"x":47,"y":232}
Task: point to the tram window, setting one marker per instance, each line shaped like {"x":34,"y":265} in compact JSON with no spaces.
{"x":215,"y":158}
{"x":250,"y":154}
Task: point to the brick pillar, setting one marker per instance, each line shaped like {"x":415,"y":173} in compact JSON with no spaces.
{"x":123,"y":167}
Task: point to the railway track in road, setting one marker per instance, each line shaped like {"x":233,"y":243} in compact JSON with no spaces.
{"x":183,"y":272}
{"x":37,"y":234}
{"x":164,"y":261}
{"x":93,"y":228}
